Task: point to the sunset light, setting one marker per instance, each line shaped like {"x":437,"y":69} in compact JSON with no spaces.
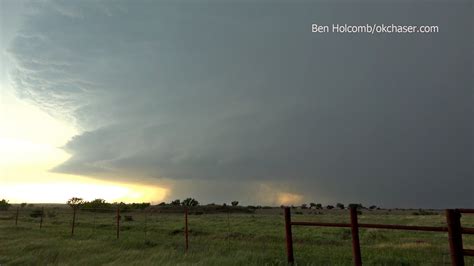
{"x":30,"y":145}
{"x":53,"y":190}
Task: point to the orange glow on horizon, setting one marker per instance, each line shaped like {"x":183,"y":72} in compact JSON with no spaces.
{"x":289,"y":198}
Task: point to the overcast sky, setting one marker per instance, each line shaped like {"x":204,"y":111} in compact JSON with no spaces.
{"x":225,"y":97}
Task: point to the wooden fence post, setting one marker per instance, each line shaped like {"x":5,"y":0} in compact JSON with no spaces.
{"x":228,"y":228}
{"x":355,"y":237}
{"x":41,"y":217}
{"x":289,"y":236}
{"x":73,"y":220}
{"x":146,"y":220}
{"x":453,"y":218}
{"x":118,"y":222}
{"x":94,"y":218}
{"x":186,"y":234}
{"x":16,"y":215}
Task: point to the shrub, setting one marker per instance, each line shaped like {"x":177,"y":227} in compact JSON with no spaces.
{"x":340,"y":206}
{"x":150,"y":243}
{"x":4,"y":205}
{"x":373,"y":235}
{"x":138,"y":206}
{"x":36,"y":213}
{"x":234,"y":203}
{"x":96,"y":204}
{"x":424,"y":212}
{"x":51,"y":214}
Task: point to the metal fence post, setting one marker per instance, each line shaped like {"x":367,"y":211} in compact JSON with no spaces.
{"x":453,"y":218}
{"x":355,"y":237}
{"x":118,"y":222}
{"x":16,"y":215}
{"x":73,"y":220}
{"x":146,"y":220}
{"x":186,"y":234}
{"x":41,"y":217}
{"x":228,"y":229}
{"x":289,"y":236}
{"x":94,"y":214}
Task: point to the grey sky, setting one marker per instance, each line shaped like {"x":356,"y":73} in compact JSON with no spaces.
{"x":220,"y":96}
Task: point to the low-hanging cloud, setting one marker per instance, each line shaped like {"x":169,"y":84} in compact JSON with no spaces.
{"x":245,"y":94}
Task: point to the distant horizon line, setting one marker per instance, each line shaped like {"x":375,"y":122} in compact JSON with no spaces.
{"x":272,"y":206}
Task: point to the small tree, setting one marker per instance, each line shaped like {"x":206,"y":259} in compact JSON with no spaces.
{"x":75,"y":202}
{"x":355,"y":205}
{"x":190,"y":202}
{"x":122,"y":206}
{"x":340,"y":206}
{"x":319,"y":206}
{"x":304,"y":206}
{"x":176,"y":202}
{"x":4,"y":205}
{"x":329,"y":207}
{"x":234,"y":203}
{"x":97,"y":204}
{"x":23,"y":205}
{"x":312,"y":205}
{"x":373,"y":207}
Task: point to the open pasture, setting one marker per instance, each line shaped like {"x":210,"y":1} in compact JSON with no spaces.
{"x":154,"y":238}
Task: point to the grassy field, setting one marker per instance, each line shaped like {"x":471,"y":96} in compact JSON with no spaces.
{"x":218,"y":239}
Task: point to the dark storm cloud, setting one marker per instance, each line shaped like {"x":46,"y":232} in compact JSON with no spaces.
{"x":245,"y":93}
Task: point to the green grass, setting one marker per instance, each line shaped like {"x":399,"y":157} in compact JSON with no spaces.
{"x":219,"y":239}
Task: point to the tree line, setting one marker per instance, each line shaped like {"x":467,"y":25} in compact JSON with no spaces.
{"x":76,"y":202}
{"x":341,"y":206}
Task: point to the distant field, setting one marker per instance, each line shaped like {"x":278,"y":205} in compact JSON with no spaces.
{"x":219,"y":239}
